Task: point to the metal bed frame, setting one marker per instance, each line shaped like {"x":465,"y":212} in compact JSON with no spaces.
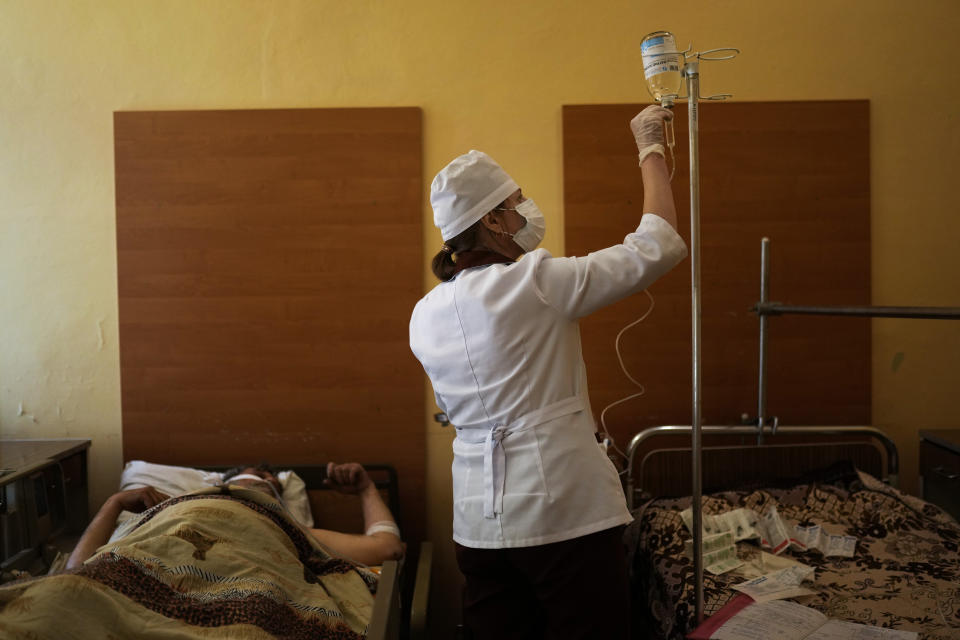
{"x":877,"y":437}
{"x":390,"y":617}
{"x":763,"y":309}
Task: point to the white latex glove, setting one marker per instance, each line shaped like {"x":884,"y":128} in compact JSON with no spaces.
{"x":647,"y":127}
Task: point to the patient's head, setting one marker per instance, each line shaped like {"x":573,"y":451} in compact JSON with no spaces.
{"x":264,"y":481}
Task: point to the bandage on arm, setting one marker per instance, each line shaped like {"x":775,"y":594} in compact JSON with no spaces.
{"x":375,"y":511}
{"x":647,"y":128}
{"x":384,"y":526}
{"x":381,"y":540}
{"x":653,"y":148}
{"x":374,"y":549}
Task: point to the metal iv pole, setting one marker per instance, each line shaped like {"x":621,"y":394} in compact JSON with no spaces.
{"x":691,"y":72}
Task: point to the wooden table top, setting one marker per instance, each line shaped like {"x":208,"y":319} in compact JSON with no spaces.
{"x":19,"y":457}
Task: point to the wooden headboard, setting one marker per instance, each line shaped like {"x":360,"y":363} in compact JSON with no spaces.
{"x":796,"y":172}
{"x":268,"y":262}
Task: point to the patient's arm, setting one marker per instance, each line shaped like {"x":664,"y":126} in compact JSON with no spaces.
{"x":373,"y":548}
{"x":98,"y":531}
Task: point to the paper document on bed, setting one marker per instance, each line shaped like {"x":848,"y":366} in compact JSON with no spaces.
{"x":773,"y":531}
{"x":791,"y":621}
{"x":719,"y":553}
{"x":766,"y":563}
{"x":778,"y":585}
{"x":745,"y":524}
{"x":814,"y":537}
{"x":741,"y":522}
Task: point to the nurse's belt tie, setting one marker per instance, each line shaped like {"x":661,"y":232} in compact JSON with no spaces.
{"x":495,"y":457}
{"x":494,"y":461}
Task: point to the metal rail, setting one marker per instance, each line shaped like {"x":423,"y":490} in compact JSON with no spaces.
{"x":764,"y":293}
{"x":764,"y":308}
{"x":893,"y":460}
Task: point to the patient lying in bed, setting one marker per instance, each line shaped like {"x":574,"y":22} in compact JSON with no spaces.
{"x":380,"y":542}
{"x":224,"y":562}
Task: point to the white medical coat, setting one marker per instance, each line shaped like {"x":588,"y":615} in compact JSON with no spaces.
{"x":501,"y":346}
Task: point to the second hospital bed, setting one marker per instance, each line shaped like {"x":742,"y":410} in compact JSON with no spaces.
{"x":904,"y":574}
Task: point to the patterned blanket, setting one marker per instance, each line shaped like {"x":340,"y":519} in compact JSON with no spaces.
{"x":221,"y":563}
{"x":904,"y":575}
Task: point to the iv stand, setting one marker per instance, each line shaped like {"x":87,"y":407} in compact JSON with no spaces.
{"x":691,"y":71}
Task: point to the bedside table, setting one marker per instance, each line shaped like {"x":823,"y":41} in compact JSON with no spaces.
{"x":940,"y":469}
{"x":43,"y":496}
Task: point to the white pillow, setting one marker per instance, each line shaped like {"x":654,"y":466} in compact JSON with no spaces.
{"x":295,"y":497}
{"x":176,"y":481}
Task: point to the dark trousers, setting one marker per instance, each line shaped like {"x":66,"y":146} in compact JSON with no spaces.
{"x":572,"y":589}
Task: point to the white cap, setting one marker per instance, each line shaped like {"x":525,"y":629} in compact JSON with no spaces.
{"x":465,"y":190}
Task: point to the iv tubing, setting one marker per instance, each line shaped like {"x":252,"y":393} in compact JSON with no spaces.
{"x":669,"y":140}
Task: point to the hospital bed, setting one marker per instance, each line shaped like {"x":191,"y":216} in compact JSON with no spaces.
{"x":904,"y":574}
{"x":402,"y":600}
{"x":324,"y":591}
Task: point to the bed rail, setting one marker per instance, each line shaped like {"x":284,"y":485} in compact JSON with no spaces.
{"x":385,"y":621}
{"x":420,"y":600}
{"x":892,"y":462}
{"x":392,"y":617}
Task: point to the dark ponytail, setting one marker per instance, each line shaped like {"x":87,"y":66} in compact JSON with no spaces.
{"x":443,"y":265}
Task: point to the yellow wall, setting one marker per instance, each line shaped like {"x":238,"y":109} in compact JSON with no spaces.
{"x":491,"y":75}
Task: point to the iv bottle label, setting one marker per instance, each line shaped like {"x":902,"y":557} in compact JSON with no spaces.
{"x":659,"y":55}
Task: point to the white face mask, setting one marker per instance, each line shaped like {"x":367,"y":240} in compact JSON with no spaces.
{"x":531,"y":234}
{"x":250,"y":476}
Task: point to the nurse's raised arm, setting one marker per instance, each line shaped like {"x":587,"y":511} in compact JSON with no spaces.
{"x":647,"y":127}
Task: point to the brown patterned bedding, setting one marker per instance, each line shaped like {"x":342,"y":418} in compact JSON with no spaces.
{"x":220,"y":563}
{"x":905,"y":573}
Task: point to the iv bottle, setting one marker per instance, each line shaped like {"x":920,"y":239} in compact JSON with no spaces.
{"x":662,"y":65}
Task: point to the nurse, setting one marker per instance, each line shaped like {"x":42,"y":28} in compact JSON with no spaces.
{"x":538,"y":507}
